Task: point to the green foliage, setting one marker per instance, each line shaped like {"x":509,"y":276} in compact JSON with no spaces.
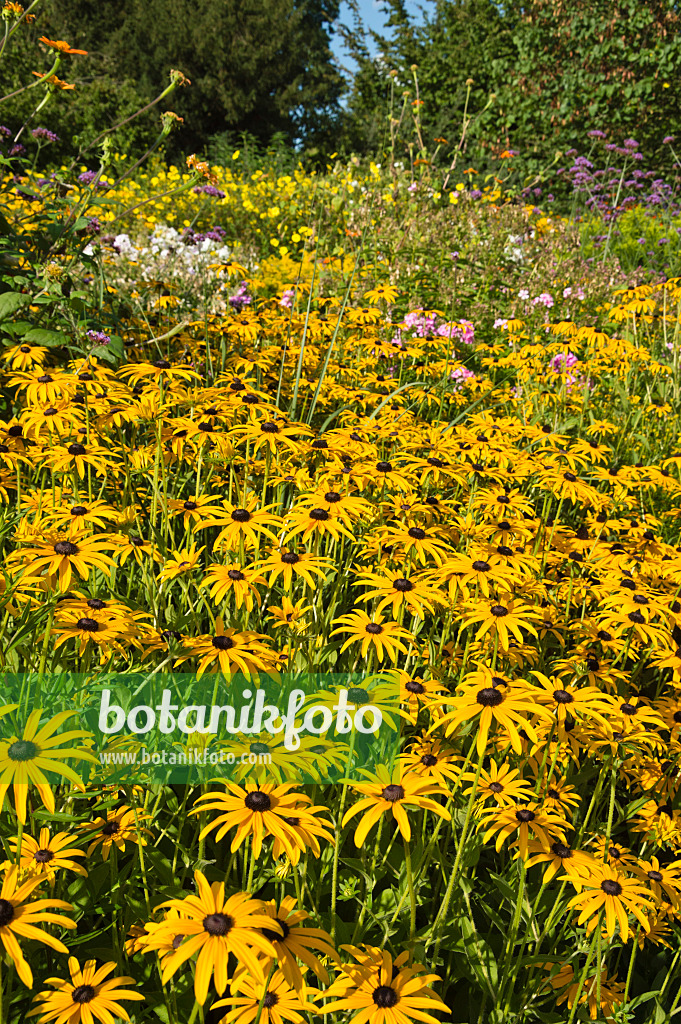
{"x":262,"y":66}
{"x":534,"y":76}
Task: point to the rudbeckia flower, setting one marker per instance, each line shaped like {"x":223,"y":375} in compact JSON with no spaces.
{"x":85,"y":996}
{"x":272,"y":1002}
{"x":47,"y":854}
{"x":385,"y":637}
{"x":25,"y":759}
{"x":215,"y":927}
{"x":393,"y":793}
{"x":617,"y":895}
{"x":256,"y":811}
{"x":380,"y":991}
{"x":228,"y":651}
{"x":17,"y":917}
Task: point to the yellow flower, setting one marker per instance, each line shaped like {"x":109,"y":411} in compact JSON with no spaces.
{"x":84,"y":996}
{"x":20,"y":918}
{"x":393,"y":793}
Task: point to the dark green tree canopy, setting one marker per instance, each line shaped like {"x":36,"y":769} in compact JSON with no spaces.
{"x":256,"y":66}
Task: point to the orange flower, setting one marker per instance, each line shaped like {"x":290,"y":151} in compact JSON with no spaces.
{"x":54,"y":81}
{"x":60,"y":46}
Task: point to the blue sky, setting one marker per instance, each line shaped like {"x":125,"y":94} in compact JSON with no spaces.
{"x":373,"y":17}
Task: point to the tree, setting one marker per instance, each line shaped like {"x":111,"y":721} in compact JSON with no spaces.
{"x":262,"y":66}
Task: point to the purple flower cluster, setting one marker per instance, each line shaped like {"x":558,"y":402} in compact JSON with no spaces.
{"x":98,"y":337}
{"x":44,"y":135}
{"x":241,"y":298}
{"x":192,"y":237}
{"x":209,"y":190}
{"x":609,"y":191}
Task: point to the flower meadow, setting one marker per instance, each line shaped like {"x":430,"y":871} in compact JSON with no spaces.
{"x":350,"y":423}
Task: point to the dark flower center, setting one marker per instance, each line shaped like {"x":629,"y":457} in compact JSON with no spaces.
{"x":414,"y":686}
{"x":218,"y":924}
{"x":610,"y":887}
{"x":385,"y":997}
{"x":655,"y":876}
{"x":504,"y":499}
{"x":553,"y":794}
{"x":496,"y":787}
{"x":480,"y":566}
{"x":320,"y":514}
{"x":43,"y":856}
{"x":489,"y":697}
{"x":429,"y":760}
{"x":23,"y":750}
{"x":241,"y":515}
{"x":223,"y":643}
{"x":561,"y":850}
{"x":65,"y":547}
{"x":332,"y":496}
{"x":235,"y":574}
{"x":83,"y":994}
{"x":274,"y":936}
{"x":524,"y":815}
{"x":256,"y":800}
{"x":6,"y":912}
{"x":269,"y":428}
{"x":417,"y":533}
{"x":259,"y":748}
{"x":393,"y":793}
{"x":111,"y":828}
{"x":78,"y":510}
{"x":88,"y":625}
{"x":636,"y":617}
{"x":384,"y":467}
{"x":563,"y":697}
{"x":403,"y":585}
{"x":161,"y":364}
{"x":271,"y":999}
{"x":96,"y":602}
{"x":499,"y":610}
{"x":356,"y":695}
{"x":190,"y":506}
{"x":290,"y":558}
{"x":177,"y":941}
{"x":76,"y":449}
{"x":374,"y":628}
{"x":504,"y":550}
{"x":570,"y":477}
{"x":137,"y":542}
{"x":45,"y":379}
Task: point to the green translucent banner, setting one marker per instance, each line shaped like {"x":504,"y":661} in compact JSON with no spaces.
{"x":120,"y":729}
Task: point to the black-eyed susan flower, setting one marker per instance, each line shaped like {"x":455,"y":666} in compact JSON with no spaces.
{"x":498,"y":619}
{"x":256,"y":811}
{"x":509,"y":706}
{"x":272,"y":1001}
{"x":19,"y":917}
{"x":410,"y":591}
{"x":120,"y":826}
{"x":47,"y":854}
{"x":245,"y":524}
{"x":85,"y":996}
{"x":500,"y":783}
{"x":181,"y":562}
{"x":297,"y":942}
{"x":576,"y":864}
{"x":233,"y":578}
{"x":664,"y":879}
{"x":393,"y":793}
{"x":384,"y":637}
{"x":25,"y":759}
{"x":57,"y":557}
{"x":618,"y":896}
{"x":215,"y":927}
{"x":291,"y":564}
{"x":378,"y":990}
{"x":228,"y":651}
{"x":504,"y":821}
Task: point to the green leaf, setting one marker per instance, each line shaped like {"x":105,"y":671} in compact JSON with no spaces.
{"x":41,"y":336}
{"x":10,"y":302}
